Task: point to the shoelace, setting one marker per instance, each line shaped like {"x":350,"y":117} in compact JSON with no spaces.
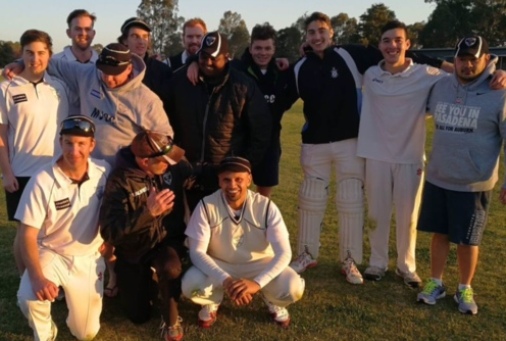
{"x":430,"y":287}
{"x":466,"y":295}
{"x":164,"y":329}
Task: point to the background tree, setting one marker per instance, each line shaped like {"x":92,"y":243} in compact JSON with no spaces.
{"x":345,"y":29}
{"x":97,"y":47}
{"x":372,"y":21}
{"x":161,"y":16}
{"x":288,"y":41}
{"x":234,"y":27}
{"x":414,"y":32}
{"x":9,"y":51}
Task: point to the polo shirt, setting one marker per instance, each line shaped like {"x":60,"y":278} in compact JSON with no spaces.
{"x":32,"y":113}
{"x":65,"y":212}
{"x":392,"y":121}
{"x":68,"y":56}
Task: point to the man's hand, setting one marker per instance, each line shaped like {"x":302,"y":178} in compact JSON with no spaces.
{"x":498,"y":82}
{"x":44,"y":289}
{"x":502,"y":196}
{"x":241,"y":290}
{"x":12,"y":69}
{"x":161,"y":202}
{"x":193,"y":73}
{"x":10,"y":183}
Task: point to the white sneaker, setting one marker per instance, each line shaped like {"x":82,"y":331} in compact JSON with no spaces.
{"x":303,"y":262}
{"x":279,"y":314}
{"x":208,"y":315}
{"x":349,"y":269}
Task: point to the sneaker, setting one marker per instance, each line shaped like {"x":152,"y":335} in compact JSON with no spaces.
{"x":464,"y":297}
{"x":279,"y":314}
{"x":411,"y":279}
{"x":303,"y":262}
{"x":174,"y":332}
{"x":54,"y":332}
{"x":431,"y":293}
{"x":373,"y":273}
{"x":349,"y":269}
{"x":208,"y":315}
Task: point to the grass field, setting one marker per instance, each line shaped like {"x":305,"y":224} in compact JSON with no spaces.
{"x":331,"y":309}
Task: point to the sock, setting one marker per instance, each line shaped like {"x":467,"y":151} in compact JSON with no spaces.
{"x":464,"y":286}
{"x":437,"y":280}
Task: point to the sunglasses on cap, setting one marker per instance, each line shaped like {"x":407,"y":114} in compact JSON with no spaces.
{"x":77,"y":124}
{"x":110,"y":60}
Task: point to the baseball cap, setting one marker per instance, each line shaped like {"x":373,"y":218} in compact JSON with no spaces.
{"x":474,"y":45}
{"x":114,"y":59}
{"x":214,"y":44}
{"x":148,"y":144}
{"x":77,"y":125}
{"x":134,"y":21}
{"x":234,"y":164}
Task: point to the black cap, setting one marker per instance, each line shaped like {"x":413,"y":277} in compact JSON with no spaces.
{"x":214,"y":44}
{"x":472,"y":45}
{"x":234,"y":164}
{"x":134,"y":21}
{"x":114,"y":59}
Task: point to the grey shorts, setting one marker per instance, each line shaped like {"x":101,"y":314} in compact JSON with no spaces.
{"x":460,"y":215}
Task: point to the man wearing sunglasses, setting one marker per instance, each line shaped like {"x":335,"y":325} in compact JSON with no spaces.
{"x":142,"y":216}
{"x":59,"y":237}
{"x":112,"y":94}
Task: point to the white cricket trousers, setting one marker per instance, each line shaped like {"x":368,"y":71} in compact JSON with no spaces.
{"x":285,"y":289}
{"x":387,"y":185}
{"x":316,"y":161}
{"x":82,"y":279}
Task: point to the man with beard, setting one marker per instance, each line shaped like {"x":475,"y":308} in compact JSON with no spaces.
{"x":223,"y":115}
{"x":81,"y":32}
{"x":239,"y":245}
{"x":193,"y":32}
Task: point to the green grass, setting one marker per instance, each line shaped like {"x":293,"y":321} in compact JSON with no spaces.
{"x":331,"y":309}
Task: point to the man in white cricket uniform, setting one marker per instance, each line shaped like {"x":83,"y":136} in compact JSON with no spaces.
{"x":239,"y":245}
{"x":391,"y":138}
{"x":59,"y":236}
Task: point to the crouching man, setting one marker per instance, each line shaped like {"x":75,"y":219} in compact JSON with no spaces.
{"x":142,"y":216}
{"x":239,"y":245}
{"x":59,"y":237}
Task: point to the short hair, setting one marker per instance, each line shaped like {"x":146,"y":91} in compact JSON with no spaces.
{"x":317,"y":16}
{"x":80,"y":13}
{"x":263,"y":32}
{"x":31,"y":36}
{"x":195,"y":22}
{"x":394,"y":24}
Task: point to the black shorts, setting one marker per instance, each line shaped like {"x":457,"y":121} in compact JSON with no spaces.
{"x":266,"y":173}
{"x":460,"y":215}
{"x":12,"y":199}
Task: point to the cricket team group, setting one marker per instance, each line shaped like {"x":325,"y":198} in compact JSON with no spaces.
{"x":124,"y":166}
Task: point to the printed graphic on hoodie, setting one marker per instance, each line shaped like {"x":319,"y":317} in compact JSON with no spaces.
{"x":456,"y":118}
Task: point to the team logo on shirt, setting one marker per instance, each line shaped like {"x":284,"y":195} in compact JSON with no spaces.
{"x":100,"y":192}
{"x":333,"y":73}
{"x":167,"y":178}
{"x":62,"y":204}
{"x":102,"y":116}
{"x":270,"y":98}
{"x":19,"y":98}
{"x":95,"y":93}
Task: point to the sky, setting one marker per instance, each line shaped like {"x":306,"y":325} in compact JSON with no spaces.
{"x":17,"y":16}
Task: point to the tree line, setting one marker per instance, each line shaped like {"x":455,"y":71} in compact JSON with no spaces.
{"x":450,"y":20}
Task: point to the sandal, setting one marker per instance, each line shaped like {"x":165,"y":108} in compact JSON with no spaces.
{"x":111,"y":292}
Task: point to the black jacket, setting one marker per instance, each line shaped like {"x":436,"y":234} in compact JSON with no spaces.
{"x":125,"y":221}
{"x":214,"y":120}
{"x":176,"y":61}
{"x":331,"y":90}
{"x":274,"y":87}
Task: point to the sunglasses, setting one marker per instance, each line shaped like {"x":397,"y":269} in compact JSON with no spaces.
{"x":110,"y":60}
{"x":78,"y":123}
{"x":160,"y":151}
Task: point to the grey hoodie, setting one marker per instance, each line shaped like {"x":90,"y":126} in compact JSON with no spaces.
{"x":470,"y":126}
{"x":119,"y":113}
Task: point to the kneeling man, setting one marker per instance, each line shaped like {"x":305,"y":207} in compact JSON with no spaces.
{"x":239,"y":245}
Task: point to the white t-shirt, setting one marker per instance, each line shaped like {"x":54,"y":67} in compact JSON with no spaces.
{"x":68,"y":56}
{"x":65,"y":212}
{"x":33,"y":114}
{"x":392,"y":120}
